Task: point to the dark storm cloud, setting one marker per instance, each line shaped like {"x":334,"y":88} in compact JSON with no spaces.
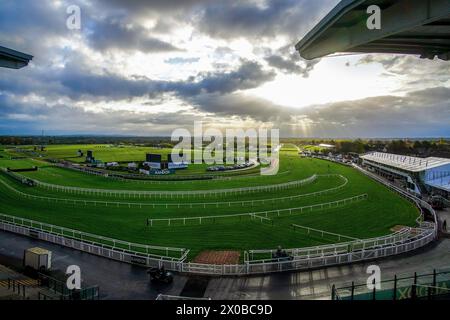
{"x":419,"y":113}
{"x":39,"y":26}
{"x":64,"y":70}
{"x":139,"y":7}
{"x":117,"y":33}
{"x":281,"y":63}
{"x":234,"y":19}
{"x":25,"y":118}
{"x":249,"y":75}
{"x":413,"y":115}
{"x":291,"y":63}
{"x":287,"y":60}
{"x":32,"y":27}
{"x":242,"y":106}
{"x":422,"y":113}
{"x":77,"y":82}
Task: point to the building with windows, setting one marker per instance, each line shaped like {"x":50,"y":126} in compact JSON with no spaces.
{"x":419,"y":175}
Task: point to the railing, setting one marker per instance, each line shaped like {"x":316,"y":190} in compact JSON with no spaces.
{"x":17,"y":287}
{"x":322,"y":256}
{"x":310,"y":230}
{"x":419,"y":286}
{"x":261,"y":215}
{"x":14,"y":175}
{"x":95,"y":243}
{"x":174,"y":194}
{"x":148,"y":180}
{"x":178,"y":204}
{"x":387,"y":242}
{"x":59,"y":290}
{"x":412,"y":198}
{"x":302,"y":258}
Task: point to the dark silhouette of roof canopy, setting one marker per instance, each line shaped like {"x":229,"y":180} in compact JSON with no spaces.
{"x":13,"y":59}
{"x":420,"y":27}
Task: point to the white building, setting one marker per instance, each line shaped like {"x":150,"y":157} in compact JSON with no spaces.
{"x":132,"y":165}
{"x":419,"y":175}
{"x":112,"y":164}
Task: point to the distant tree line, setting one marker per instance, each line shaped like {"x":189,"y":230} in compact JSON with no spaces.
{"x":415,"y":147}
{"x":412,"y":147}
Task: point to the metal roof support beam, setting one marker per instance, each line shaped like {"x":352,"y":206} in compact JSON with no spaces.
{"x":13,"y":59}
{"x":400,"y":16}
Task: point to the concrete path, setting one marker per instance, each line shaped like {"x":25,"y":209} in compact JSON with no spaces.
{"x":116,"y":280}
{"x":317,"y":284}
{"x":123,"y":281}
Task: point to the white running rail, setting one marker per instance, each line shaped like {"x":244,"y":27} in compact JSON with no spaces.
{"x":171,"y":194}
{"x":302,"y":258}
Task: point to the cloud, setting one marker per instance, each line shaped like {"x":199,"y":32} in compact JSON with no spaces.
{"x":139,"y":7}
{"x":33,"y":27}
{"x":291,"y":63}
{"x":117,"y":33}
{"x":206,"y":55}
{"x":259,"y":19}
{"x":18,"y":117}
{"x":78,"y":82}
{"x":243,"y":106}
{"x":250,"y":74}
{"x":421,"y":73}
{"x":81,"y":83}
{"x":412,"y":115}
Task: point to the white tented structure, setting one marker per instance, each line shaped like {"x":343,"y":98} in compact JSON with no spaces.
{"x":418,"y":175}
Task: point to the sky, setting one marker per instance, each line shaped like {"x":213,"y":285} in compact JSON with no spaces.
{"x":148,"y":67}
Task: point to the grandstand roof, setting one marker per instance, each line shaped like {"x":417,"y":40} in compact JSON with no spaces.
{"x":13,"y":59}
{"x":419,"y":27}
{"x":412,"y":164}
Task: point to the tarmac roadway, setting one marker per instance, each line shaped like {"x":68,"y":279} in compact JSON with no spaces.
{"x":123,"y":281}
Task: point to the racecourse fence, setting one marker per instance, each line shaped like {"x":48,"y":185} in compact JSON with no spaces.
{"x":400,"y":242}
{"x":14,"y":176}
{"x":184,"y":179}
{"x":260,"y":215}
{"x":174,"y":194}
{"x":322,"y":233}
{"x":405,"y":235}
{"x":37,"y":228}
{"x":419,"y":203}
{"x":311,"y":261}
{"x":155,"y":179}
{"x":424,"y":286}
{"x":217,"y":204}
{"x":302,"y":259}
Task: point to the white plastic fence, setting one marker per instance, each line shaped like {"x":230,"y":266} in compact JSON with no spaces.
{"x":405,"y":235}
{"x":174,"y":194}
{"x":303,"y":258}
{"x":261,"y":215}
{"x":159,"y":252}
{"x":216,"y":204}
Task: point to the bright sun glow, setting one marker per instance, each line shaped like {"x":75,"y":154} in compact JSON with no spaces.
{"x":331,"y":80}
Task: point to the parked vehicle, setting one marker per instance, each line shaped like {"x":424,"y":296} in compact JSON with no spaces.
{"x":160,"y":275}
